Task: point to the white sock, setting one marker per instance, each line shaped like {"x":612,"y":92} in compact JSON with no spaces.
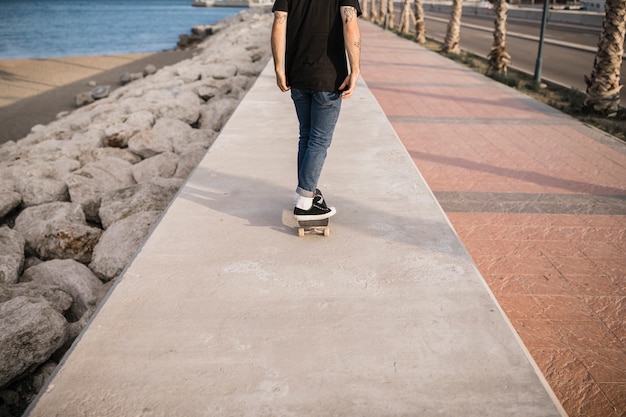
{"x":304,"y":203}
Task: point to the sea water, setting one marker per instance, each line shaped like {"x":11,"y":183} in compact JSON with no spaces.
{"x":52,"y":28}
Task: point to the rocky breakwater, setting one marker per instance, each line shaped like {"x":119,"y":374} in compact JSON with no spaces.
{"x":79,"y":196}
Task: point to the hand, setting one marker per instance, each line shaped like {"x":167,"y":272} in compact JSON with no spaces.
{"x":281,"y":81}
{"x":348,"y":86}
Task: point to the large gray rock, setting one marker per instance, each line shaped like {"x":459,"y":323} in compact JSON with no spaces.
{"x":216,"y":113}
{"x":171,"y":184}
{"x":243,"y":84}
{"x":123,"y":203}
{"x":57,"y":230}
{"x":38,"y":133}
{"x":56,"y":169}
{"x":172,"y":130}
{"x":163,"y":94}
{"x":7,"y":151}
{"x":185,"y":107}
{"x":207,"y":89}
{"x":162,"y":165}
{"x":26,"y":168}
{"x":9,"y":200}
{"x":7,"y":183}
{"x":72,"y":277}
{"x":189,"y":73}
{"x":11,"y":255}
{"x":53,"y":149}
{"x":105,"y":113}
{"x":142,"y":120}
{"x":31,"y":330}
{"x":149,"y":143}
{"x":79,"y":122}
{"x":88,"y":139}
{"x":61,"y":129}
{"x":118,"y":134}
{"x":68,"y":241}
{"x":99,"y":154}
{"x":254,"y":67}
{"x":36,"y":191}
{"x":88,"y":184}
{"x":193,"y":139}
{"x":219,"y":71}
{"x":119,"y":244}
{"x":53,"y":294}
{"x":32,"y":220}
{"x":189,"y":160}
{"x":151,"y":98}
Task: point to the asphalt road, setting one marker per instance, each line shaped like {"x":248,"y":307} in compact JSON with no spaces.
{"x":568,"y":51}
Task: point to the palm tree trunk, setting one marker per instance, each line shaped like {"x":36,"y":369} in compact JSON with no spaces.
{"x":405,"y":17}
{"x":603,"y":85}
{"x":365,"y":9}
{"x":420,"y":27}
{"x":453,"y":32}
{"x":382,"y":12}
{"x":499,"y":59}
{"x":389,"y":22}
{"x":374,"y":13}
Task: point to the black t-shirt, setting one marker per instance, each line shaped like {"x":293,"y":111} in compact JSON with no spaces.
{"x":315,"y":58}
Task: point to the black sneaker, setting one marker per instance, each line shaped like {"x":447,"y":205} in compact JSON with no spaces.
{"x":319,"y":199}
{"x":318,"y":210}
{"x":314,"y":213}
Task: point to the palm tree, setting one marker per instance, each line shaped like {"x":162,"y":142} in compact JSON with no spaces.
{"x":406,"y":16}
{"x":499,"y":59}
{"x":374,"y":12}
{"x":603,"y":85}
{"x":389,"y":17}
{"x":453,"y":31}
{"x":420,"y":27}
{"x":382,"y":12}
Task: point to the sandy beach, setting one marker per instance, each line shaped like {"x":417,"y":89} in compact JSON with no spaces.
{"x":34,"y":91}
{"x":23,"y":78}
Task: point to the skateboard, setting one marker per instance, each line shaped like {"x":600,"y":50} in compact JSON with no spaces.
{"x":314,"y":227}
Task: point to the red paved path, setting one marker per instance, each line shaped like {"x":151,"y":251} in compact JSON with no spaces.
{"x":538,"y":199}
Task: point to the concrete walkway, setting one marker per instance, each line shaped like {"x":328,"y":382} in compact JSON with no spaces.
{"x":227,"y":312}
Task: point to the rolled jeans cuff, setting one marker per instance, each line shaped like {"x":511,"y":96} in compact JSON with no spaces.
{"x":305,"y":193}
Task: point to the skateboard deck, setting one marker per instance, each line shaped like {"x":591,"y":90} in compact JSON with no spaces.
{"x":314,"y":227}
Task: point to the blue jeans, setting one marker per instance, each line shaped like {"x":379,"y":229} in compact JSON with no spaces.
{"x":317,"y":113}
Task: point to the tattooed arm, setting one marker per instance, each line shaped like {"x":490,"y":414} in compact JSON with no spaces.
{"x":352,"y":42}
{"x":279,"y":46}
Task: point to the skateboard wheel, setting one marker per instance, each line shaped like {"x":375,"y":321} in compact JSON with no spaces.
{"x":326,"y":232}
{"x":301,"y":231}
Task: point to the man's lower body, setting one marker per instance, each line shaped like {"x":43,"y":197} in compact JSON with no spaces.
{"x":318,"y":113}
